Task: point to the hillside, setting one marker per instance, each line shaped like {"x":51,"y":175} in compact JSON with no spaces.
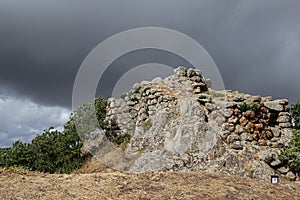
{"x":156,"y":185}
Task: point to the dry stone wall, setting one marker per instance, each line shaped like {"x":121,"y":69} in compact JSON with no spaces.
{"x":180,"y":124}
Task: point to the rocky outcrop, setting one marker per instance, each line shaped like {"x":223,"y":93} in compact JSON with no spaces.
{"x":180,"y":124}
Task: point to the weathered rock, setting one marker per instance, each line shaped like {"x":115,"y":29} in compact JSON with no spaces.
{"x":284,"y":117}
{"x":285,"y":125}
{"x":243,"y":121}
{"x":238,"y":130}
{"x":238,"y":99}
{"x":180,"y":71}
{"x":275,"y":105}
{"x":172,"y":128}
{"x":276,"y":131}
{"x":232,"y":138}
{"x":230,"y":104}
{"x":233,"y":120}
{"x":136,"y":86}
{"x":227,"y":113}
{"x":267,"y":156}
{"x":249,"y":114}
{"x":291,"y":176}
{"x":228,"y":127}
{"x":191,"y":72}
{"x":131,"y":103}
{"x":210,"y":106}
{"x":276,"y":163}
{"x":283,"y":170}
{"x":236,"y":145}
{"x":157,"y":80}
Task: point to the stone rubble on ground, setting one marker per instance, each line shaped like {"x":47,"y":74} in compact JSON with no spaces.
{"x":180,"y":124}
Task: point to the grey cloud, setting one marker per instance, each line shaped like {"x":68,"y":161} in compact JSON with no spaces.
{"x":255,"y":44}
{"x":22,"y":119}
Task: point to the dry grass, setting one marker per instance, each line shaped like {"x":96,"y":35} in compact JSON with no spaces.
{"x":20,"y":184}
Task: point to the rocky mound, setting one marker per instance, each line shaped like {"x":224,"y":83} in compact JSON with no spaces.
{"x":180,"y":124}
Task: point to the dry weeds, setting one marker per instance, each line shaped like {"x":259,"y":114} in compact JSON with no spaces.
{"x":20,"y":184}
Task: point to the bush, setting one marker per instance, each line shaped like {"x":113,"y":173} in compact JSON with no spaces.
{"x":291,"y":153}
{"x":120,"y":139}
{"x":53,"y":152}
{"x":255,"y":107}
{"x":18,"y":155}
{"x":245,"y":107}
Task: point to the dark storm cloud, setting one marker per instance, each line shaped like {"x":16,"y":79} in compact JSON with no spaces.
{"x":255,"y":44}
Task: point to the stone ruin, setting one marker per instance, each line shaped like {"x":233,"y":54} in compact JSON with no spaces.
{"x":180,"y":124}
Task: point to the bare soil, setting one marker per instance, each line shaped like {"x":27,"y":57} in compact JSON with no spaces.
{"x":19,"y":184}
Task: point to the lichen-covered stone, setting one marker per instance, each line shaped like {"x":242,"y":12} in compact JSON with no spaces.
{"x":275,"y":105}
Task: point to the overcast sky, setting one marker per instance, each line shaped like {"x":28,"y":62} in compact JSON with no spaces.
{"x":255,"y":44}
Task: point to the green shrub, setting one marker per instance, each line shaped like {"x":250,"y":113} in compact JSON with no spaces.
{"x":55,"y":151}
{"x":120,"y":139}
{"x":52,"y":151}
{"x":18,"y":155}
{"x":245,"y":107}
{"x":291,"y":153}
{"x":255,"y":107}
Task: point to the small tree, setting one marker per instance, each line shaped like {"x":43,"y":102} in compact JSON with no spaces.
{"x":56,"y":152}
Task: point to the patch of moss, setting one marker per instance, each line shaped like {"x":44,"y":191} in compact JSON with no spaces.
{"x":121,"y":139}
{"x":245,"y":107}
{"x":147,"y":124}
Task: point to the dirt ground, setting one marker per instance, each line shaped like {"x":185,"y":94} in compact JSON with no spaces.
{"x":19,"y":184}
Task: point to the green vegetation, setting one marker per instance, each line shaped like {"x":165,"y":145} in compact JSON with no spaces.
{"x":58,"y":151}
{"x":52,"y":151}
{"x":245,"y":107}
{"x":121,"y":139}
{"x":291,"y":153}
{"x":147,"y":124}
